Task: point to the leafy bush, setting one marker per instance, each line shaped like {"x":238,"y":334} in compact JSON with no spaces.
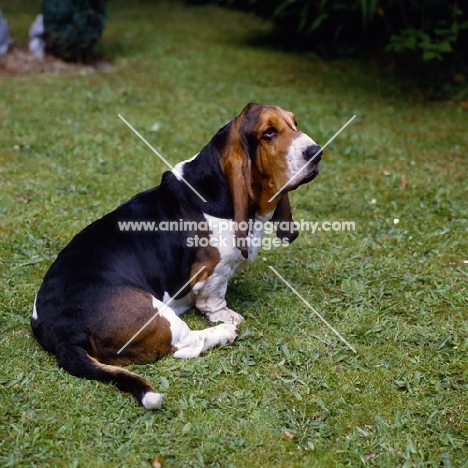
{"x":72,"y":27}
{"x":420,"y":40}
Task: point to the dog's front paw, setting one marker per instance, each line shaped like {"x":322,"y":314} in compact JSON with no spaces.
{"x":225,"y":333}
{"x":225,"y":315}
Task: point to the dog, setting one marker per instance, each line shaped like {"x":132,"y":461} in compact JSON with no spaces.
{"x":113,"y":296}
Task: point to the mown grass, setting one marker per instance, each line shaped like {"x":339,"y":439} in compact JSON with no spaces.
{"x":397,"y":292}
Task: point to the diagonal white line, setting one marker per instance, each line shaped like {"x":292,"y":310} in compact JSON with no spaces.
{"x":312,"y":160}
{"x":160,"y":157}
{"x":313,"y":310}
{"x":167,"y":304}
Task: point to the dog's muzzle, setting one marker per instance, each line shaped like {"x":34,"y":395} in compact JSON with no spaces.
{"x":313,"y":155}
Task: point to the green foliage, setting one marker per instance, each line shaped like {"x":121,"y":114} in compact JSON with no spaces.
{"x":421,"y":41}
{"x":72,"y":27}
{"x":416,"y":41}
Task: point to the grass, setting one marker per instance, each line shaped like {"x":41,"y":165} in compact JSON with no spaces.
{"x":288,"y":393}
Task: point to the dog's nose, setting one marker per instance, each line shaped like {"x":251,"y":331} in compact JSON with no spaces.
{"x":313,"y":152}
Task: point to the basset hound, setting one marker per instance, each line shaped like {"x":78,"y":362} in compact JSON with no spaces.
{"x":113,"y":297}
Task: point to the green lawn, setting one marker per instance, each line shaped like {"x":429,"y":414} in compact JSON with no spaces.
{"x":396,"y":292}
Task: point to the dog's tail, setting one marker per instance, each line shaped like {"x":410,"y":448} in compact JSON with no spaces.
{"x":76,"y":361}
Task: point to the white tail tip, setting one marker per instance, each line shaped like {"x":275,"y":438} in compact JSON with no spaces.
{"x":152,"y":400}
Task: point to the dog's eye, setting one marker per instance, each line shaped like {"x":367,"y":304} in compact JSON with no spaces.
{"x":270,"y":133}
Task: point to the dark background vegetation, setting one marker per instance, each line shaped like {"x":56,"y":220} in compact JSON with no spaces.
{"x":419,"y":44}
{"x":72,"y":27}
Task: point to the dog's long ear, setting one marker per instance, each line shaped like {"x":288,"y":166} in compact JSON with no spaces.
{"x":283,"y":217}
{"x":237,"y":166}
{"x":237,"y":169}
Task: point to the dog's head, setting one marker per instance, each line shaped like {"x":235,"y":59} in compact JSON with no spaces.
{"x":267,"y":157}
